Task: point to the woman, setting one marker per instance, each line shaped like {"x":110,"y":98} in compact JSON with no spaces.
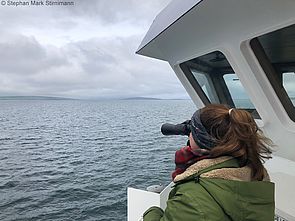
{"x":220,"y":175}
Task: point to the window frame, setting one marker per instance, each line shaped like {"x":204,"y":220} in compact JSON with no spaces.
{"x":272,"y":73}
{"x":220,"y":86}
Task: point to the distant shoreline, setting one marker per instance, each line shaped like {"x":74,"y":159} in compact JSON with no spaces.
{"x":141,"y":98}
{"x":91,"y":99}
{"x":151,"y":98}
{"x":33,"y":98}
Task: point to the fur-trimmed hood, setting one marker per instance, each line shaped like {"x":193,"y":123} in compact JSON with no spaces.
{"x":238,"y":174}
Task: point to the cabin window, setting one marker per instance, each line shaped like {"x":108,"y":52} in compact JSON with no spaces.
{"x":237,"y":91}
{"x":216,"y":82}
{"x":289,"y":85}
{"x":206,"y":84}
{"x":275,"y":52}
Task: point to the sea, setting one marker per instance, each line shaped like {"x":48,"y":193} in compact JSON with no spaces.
{"x":74,"y":159}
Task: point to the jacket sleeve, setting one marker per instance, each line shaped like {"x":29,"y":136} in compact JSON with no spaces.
{"x":180,"y":206}
{"x":153,"y":214}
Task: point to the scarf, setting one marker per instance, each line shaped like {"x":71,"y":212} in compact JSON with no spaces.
{"x":186,"y":157}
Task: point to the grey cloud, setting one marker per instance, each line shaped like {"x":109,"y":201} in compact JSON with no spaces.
{"x":42,"y":18}
{"x":99,"y":11}
{"x":117,"y":10}
{"x":91,"y":68}
{"x":21,"y":54}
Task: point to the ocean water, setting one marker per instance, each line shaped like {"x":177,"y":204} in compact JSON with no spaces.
{"x":73,"y":160}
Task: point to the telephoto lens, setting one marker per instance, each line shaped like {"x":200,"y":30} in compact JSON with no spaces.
{"x":176,"y":129}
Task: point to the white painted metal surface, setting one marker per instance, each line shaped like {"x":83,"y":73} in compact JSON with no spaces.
{"x":282,"y":173}
{"x":140,"y":200}
{"x":167,"y":17}
{"x":182,"y":32}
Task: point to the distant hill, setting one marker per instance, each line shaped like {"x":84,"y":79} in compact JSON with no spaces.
{"x":151,"y":98}
{"x":141,"y":98}
{"x":32,"y":98}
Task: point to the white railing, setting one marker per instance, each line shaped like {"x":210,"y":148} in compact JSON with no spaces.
{"x":138,"y":201}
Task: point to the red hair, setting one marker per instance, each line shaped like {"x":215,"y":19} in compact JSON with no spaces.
{"x":237,"y":134}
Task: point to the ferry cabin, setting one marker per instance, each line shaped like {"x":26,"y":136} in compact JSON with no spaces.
{"x":235,"y":52}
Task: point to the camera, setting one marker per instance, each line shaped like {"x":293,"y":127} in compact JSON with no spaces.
{"x":177,"y":129}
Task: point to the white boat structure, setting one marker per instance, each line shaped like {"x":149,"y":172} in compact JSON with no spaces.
{"x":235,"y":52}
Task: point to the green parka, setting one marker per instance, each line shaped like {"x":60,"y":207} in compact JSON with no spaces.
{"x":217,"y":189}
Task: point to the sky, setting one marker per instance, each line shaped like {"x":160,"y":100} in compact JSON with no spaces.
{"x":82,"y":51}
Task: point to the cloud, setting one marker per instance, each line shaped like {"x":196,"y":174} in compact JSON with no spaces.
{"x":25,"y":55}
{"x":115,"y":11}
{"x":87,"y":69}
{"x":86,"y":19}
{"x":86,"y":51}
